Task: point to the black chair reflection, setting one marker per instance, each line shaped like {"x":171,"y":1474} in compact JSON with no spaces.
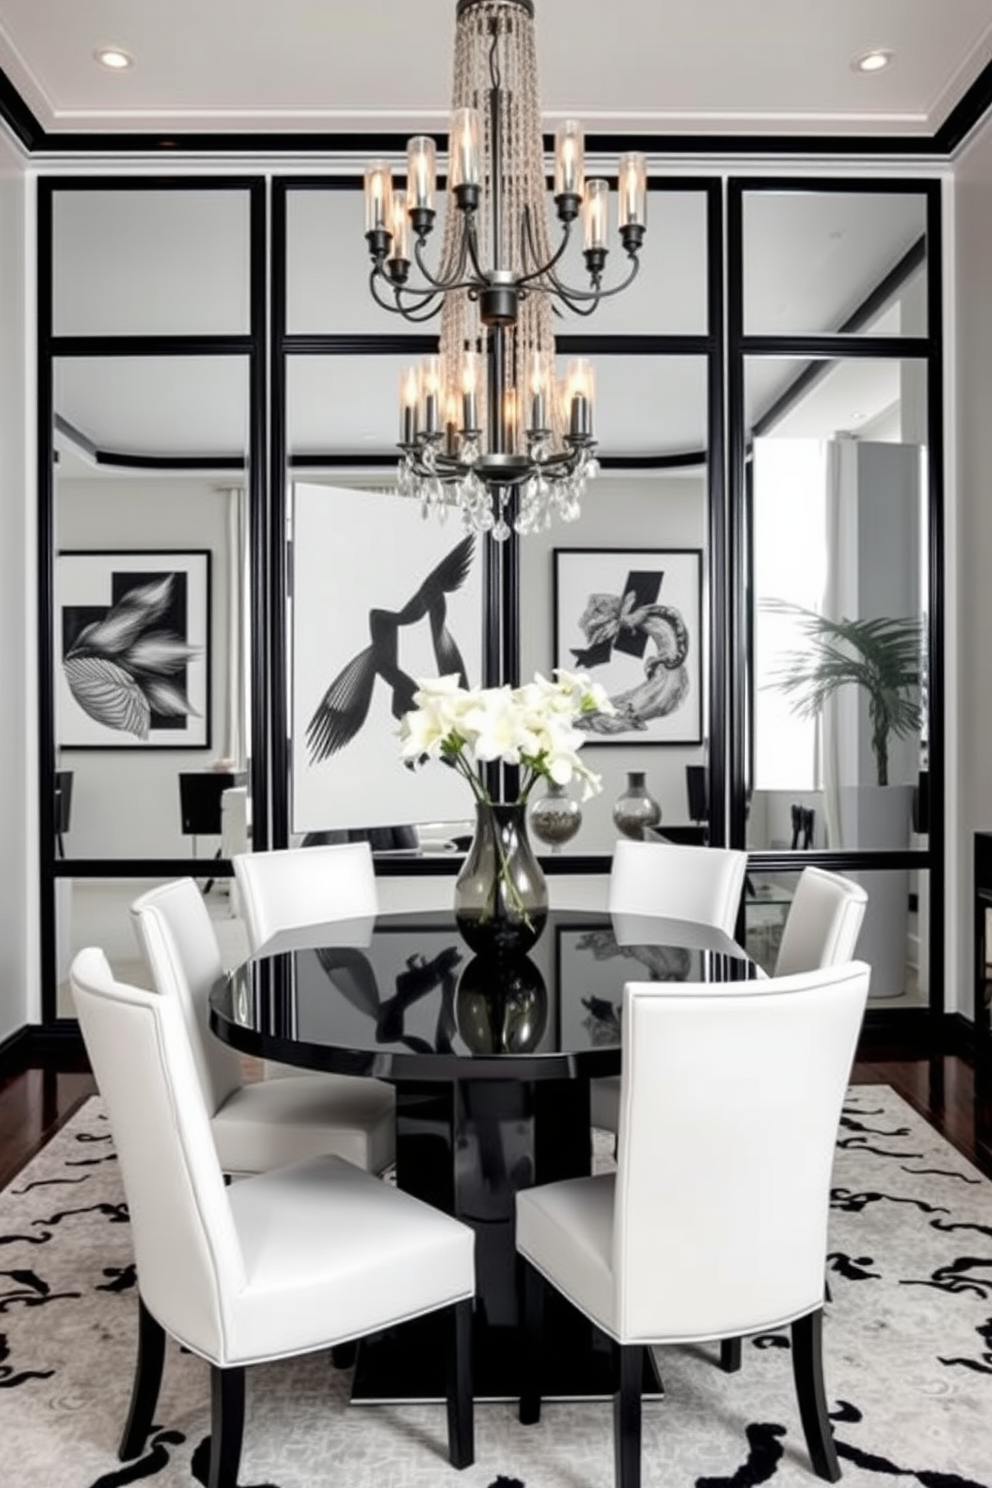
{"x":63,"y":809}
{"x":199,"y":804}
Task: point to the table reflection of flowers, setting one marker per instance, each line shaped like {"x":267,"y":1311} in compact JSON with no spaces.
{"x":500,"y":895}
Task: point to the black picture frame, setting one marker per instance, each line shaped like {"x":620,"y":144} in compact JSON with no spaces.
{"x":144,"y":683}
{"x":631,"y":618}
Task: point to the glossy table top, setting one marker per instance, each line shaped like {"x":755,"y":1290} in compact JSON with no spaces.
{"x":403,"y":997}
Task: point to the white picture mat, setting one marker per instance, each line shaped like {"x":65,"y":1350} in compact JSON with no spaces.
{"x":354,"y":551}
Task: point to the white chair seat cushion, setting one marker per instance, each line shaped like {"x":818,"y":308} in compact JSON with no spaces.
{"x":604,"y":1103}
{"x":566,"y":1231}
{"x":268,"y":1123}
{"x":337,"y":1271}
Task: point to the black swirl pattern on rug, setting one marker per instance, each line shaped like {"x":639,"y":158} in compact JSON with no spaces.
{"x":849,"y":1414}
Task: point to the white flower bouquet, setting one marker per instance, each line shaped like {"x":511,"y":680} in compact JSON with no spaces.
{"x":532,"y":726}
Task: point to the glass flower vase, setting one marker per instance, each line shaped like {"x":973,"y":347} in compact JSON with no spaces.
{"x":501,"y":895}
{"x":555,"y":817}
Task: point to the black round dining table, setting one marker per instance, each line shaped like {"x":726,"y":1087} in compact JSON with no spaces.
{"x":491,"y":1061}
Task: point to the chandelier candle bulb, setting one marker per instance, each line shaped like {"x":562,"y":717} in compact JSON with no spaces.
{"x":595,"y":214}
{"x":470,"y":391}
{"x":538,"y":386}
{"x":569,"y":164}
{"x":398,"y":257}
{"x":430,"y":389}
{"x":378,"y":197}
{"x":464,"y":163}
{"x":632,"y":192}
{"x":580,"y":396}
{"x":421,"y":173}
{"x":409,"y":398}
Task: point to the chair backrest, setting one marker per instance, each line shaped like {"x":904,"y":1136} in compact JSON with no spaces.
{"x":186,"y":1248}
{"x":180,"y":948}
{"x":702,"y":884}
{"x":295,"y":887}
{"x":730,"y":1100}
{"x":823,"y":923}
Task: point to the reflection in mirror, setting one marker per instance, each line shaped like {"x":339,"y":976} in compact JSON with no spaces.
{"x":830,"y":261}
{"x":131,"y":262}
{"x":894,"y":937}
{"x":151,"y":605}
{"x":838,"y":497}
{"x":654,"y":522}
{"x":94,"y":911}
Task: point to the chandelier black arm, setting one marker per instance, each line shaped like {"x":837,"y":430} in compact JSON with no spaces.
{"x":442,"y":286}
{"x":376,"y":277}
{"x":574,"y":297}
{"x":527,"y":242}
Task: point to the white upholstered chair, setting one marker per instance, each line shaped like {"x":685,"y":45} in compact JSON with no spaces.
{"x":263,"y":1123}
{"x":294,"y":887}
{"x":823,"y":923}
{"x":700,"y":884}
{"x":714,"y":1225}
{"x":287,"y":1262}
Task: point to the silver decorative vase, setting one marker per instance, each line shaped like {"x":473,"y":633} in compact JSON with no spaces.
{"x":636,"y":809}
{"x":555,"y":817}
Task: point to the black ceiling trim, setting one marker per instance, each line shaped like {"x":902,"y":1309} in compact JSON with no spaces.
{"x":37,"y":141}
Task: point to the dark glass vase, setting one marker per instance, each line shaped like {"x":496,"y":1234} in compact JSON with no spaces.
{"x":501,"y":896}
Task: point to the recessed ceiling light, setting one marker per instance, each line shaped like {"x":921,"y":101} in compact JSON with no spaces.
{"x":114,"y":58}
{"x":875,"y":61}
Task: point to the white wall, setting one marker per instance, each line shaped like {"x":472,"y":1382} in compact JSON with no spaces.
{"x":646,"y":511}
{"x":970,"y":766}
{"x":126,"y":801}
{"x":18,"y":829}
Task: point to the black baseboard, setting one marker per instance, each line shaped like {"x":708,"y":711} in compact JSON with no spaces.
{"x":57,"y":1046}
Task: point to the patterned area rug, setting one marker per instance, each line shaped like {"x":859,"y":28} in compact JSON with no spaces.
{"x":908,"y":1338}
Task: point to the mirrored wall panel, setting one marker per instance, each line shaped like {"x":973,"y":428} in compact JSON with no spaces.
{"x":837,"y":490}
{"x":152,"y":614}
{"x":623,"y":594}
{"x":894,"y":937}
{"x":138,"y":261}
{"x":819,"y":262}
{"x":95,"y":911}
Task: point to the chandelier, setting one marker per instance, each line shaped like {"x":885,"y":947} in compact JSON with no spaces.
{"x":486,"y":419}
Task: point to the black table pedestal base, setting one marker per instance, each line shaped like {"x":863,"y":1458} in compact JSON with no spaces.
{"x":468,"y":1147}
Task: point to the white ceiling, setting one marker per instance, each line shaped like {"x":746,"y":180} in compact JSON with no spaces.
{"x":766,"y":67}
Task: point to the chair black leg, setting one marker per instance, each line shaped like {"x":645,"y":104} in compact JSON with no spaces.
{"x":531,"y":1335}
{"x":461,"y":1407}
{"x":147,"y":1381}
{"x":627,"y":1417}
{"x":227,"y":1425}
{"x":730,"y":1355}
{"x":807,"y":1370}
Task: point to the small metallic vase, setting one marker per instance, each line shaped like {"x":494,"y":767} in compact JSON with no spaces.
{"x":636,"y":809}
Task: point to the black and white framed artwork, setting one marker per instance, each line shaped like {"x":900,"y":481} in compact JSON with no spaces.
{"x":133,"y":659}
{"x":381,"y":599}
{"x":632,"y":619}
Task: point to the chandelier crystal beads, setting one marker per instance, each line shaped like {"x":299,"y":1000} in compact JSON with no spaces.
{"x":485,"y":425}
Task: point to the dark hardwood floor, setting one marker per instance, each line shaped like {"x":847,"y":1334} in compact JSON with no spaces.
{"x":35,"y":1103}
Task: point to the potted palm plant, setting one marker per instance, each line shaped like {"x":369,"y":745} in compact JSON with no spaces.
{"x":884,"y":657}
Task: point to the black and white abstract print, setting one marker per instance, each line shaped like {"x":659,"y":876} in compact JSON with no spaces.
{"x":907,"y":1339}
{"x":134,"y":667}
{"x":632,"y":621}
